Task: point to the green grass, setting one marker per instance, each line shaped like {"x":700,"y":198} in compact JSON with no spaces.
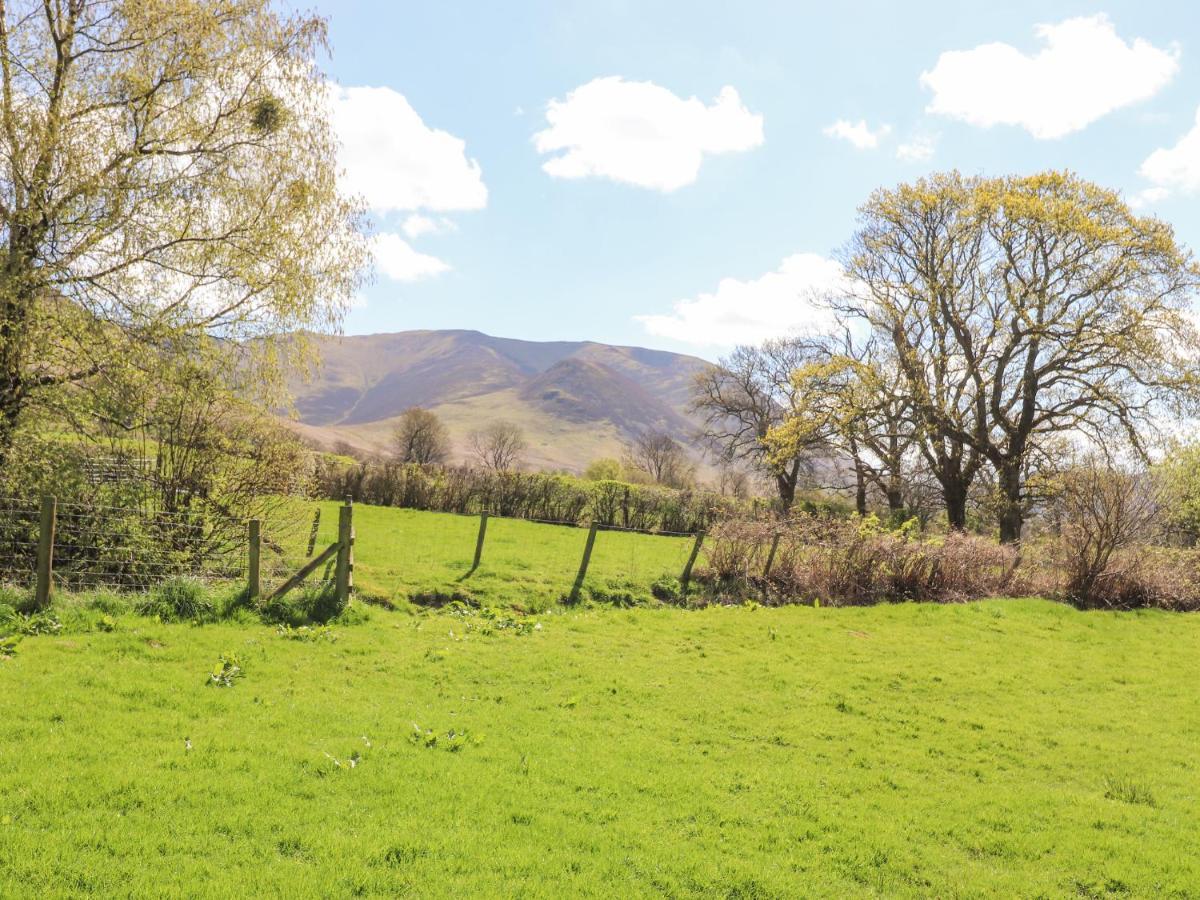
{"x":1004,"y":748}
{"x":401,"y":554}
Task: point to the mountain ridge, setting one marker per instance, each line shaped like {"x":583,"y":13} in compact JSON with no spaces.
{"x":575,"y":400}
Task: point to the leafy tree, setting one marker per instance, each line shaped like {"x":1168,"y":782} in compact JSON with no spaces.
{"x":603,"y":469}
{"x":498,"y":446}
{"x":1179,"y":475}
{"x":166,"y":170}
{"x":747,"y":394}
{"x":1022,"y":309}
{"x":421,"y":438}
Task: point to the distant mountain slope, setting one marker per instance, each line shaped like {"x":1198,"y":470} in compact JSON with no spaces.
{"x":575,"y":400}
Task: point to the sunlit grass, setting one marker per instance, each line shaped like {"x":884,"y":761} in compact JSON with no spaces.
{"x":402,"y":554}
{"x":1006,"y":748}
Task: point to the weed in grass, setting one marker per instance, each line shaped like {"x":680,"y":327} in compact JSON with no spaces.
{"x":309,"y":634}
{"x":110,"y":603}
{"x":451,"y":741}
{"x":227,"y":671}
{"x":1127,"y":790}
{"x":8,"y":646}
{"x":39,"y":623}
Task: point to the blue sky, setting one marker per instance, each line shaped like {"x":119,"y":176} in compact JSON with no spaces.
{"x":676,"y":175}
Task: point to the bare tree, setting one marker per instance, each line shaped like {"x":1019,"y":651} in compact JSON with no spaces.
{"x":1103,"y":511}
{"x":734,"y":481}
{"x":420,"y":437}
{"x":498,"y":446}
{"x":661,"y":457}
{"x":747,"y":394}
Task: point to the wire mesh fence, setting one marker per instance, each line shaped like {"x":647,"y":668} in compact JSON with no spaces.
{"x":123,"y":548}
{"x":19,"y":529}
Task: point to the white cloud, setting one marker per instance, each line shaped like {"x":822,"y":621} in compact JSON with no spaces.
{"x":1083,"y":71}
{"x":400,"y":262}
{"x":857,"y":133}
{"x":416,"y":225}
{"x":395,"y":160}
{"x":640,"y":133}
{"x":747,"y":312}
{"x":918,"y":149}
{"x":1175,"y":167}
{"x":1148,"y":197}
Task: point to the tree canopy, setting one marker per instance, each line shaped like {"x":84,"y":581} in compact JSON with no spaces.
{"x":167,"y":170}
{"x":1020,"y":310}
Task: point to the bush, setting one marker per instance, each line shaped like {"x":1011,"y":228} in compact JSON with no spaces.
{"x":1104,"y":513}
{"x":848,"y":562}
{"x":527,"y":495}
{"x":179,"y":600}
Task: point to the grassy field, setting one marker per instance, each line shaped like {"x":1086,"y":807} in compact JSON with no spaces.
{"x":1004,"y":748}
{"x":401,"y":554}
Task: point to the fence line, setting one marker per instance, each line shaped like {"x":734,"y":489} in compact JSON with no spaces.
{"x":75,"y":546}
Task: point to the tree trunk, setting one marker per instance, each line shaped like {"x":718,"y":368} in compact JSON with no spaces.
{"x":1012,"y":516}
{"x":954,"y":494}
{"x":860,"y":490}
{"x":895,"y":499}
{"x":785,"y":482}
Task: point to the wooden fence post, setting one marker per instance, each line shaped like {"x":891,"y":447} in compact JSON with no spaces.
{"x":45,"y":552}
{"x":345,"y":555}
{"x":687,"y":569}
{"x":583,"y":565}
{"x":483,"y":520}
{"x":254,"y":574}
{"x":771,"y":556}
{"x":312,"y":534}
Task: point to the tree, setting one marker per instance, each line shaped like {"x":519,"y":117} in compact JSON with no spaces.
{"x":166,"y":170}
{"x":498,"y":446}
{"x":1021,"y":309}
{"x":847,"y":402}
{"x":734,"y":481}
{"x":421,"y":438}
{"x":1179,"y":474}
{"x":661,"y":457}
{"x":747,"y":394}
{"x":603,"y":469}
{"x":916,"y":246}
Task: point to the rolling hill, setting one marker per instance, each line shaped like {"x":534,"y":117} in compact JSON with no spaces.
{"x":576,"y":401}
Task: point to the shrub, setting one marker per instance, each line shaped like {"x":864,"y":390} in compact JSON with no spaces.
{"x":528,"y":495}
{"x":846,"y":562}
{"x":1103,"y":512}
{"x":179,"y":600}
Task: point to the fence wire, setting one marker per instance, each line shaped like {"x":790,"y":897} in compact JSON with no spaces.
{"x":19,"y":526}
{"x":293,"y":533}
{"x":399,"y":552}
{"x":118,"y":547}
